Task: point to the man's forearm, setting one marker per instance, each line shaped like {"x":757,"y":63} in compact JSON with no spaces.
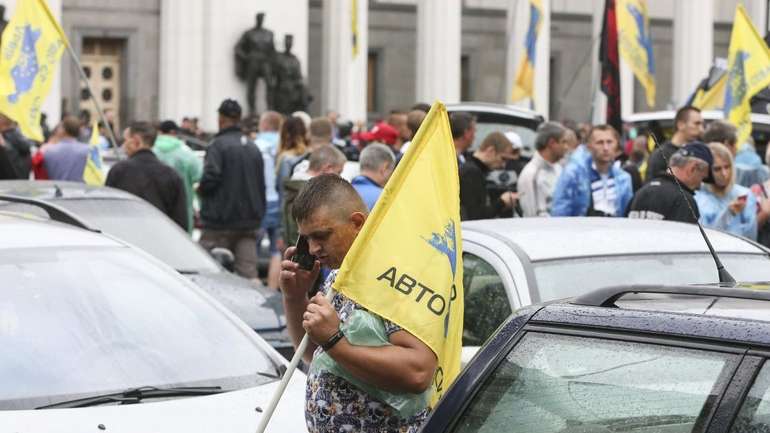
{"x":294,"y":308}
{"x":392,"y":368}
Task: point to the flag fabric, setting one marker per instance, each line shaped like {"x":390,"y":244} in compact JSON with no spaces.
{"x":748,"y":72}
{"x":710,"y":97}
{"x":354,"y":26}
{"x":524,"y":85}
{"x":608,"y":58}
{"x":406,"y":263}
{"x":32,"y":45}
{"x":635,"y":43}
{"x":92,"y":172}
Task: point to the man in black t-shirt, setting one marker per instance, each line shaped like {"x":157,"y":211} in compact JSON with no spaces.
{"x":688,"y":124}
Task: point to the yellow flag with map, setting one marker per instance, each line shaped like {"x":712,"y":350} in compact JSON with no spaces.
{"x":748,"y":72}
{"x":635,"y":43}
{"x":406,"y":263}
{"x":92,"y":172}
{"x":32,"y":45}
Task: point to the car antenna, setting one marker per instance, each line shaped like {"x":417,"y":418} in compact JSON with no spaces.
{"x":724,"y":276}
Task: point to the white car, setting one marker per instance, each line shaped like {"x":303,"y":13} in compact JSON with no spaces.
{"x":97,"y":335}
{"x":515,"y":262}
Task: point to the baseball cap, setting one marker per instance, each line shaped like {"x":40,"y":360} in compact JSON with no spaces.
{"x":515,"y":139}
{"x":696,"y":149}
{"x":381,"y":132}
{"x":168,"y":126}
{"x":230,"y":108}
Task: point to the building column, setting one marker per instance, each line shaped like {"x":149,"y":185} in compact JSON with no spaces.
{"x":543,"y":63}
{"x":439,"y":48}
{"x":344,"y":77}
{"x":627,"y":90}
{"x":599,"y":100}
{"x":693,"y":46}
{"x":757,"y":10}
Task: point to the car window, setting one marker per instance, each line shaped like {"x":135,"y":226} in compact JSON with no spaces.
{"x":558,"y":279}
{"x":486,"y":303}
{"x":754,"y":416}
{"x":483,"y":129}
{"x":84,"y":321}
{"x":554,"y":383}
{"x":141,"y":225}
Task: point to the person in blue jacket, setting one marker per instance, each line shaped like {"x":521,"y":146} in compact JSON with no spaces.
{"x":590,"y":184}
{"x":376,"y":163}
{"x":724,"y":204}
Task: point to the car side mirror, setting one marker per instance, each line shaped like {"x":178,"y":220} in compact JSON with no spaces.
{"x":225,"y":257}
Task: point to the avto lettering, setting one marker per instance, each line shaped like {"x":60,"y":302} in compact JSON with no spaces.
{"x":411,"y":287}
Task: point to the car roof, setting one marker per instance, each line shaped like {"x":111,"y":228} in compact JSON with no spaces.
{"x":55,"y":189}
{"x":25,"y":231}
{"x":669,"y":115}
{"x":486,"y":107}
{"x":560,"y":238}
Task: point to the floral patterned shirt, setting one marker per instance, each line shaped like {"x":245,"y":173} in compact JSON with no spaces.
{"x":332,"y":404}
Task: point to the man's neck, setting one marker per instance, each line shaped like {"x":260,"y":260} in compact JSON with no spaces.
{"x":548,"y":156}
{"x":371,"y":176}
{"x":678,"y":140}
{"x":459,"y":147}
{"x":602,"y":168}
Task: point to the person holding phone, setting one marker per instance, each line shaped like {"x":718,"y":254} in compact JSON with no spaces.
{"x":725,"y":205}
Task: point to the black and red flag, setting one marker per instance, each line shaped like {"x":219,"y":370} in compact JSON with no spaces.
{"x":608,"y":57}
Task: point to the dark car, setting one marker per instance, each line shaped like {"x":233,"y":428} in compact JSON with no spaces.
{"x":137,"y":222}
{"x":623,"y":359}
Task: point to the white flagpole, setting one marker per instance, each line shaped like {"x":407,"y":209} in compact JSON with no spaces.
{"x":268,"y":412}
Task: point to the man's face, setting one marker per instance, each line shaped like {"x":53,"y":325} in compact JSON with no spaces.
{"x":692,"y":129}
{"x":470,"y":135}
{"x":495,"y":160}
{"x":602,"y":145}
{"x":560,"y":147}
{"x":722,"y":172}
{"x":330,"y":234}
{"x":696,"y":171}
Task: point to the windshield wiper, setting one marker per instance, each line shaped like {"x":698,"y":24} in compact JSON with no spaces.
{"x":135,"y":395}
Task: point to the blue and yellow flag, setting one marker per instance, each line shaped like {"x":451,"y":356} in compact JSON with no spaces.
{"x":92,"y":172}
{"x":712,"y":98}
{"x":748,"y":72}
{"x":31,"y":48}
{"x":524,"y":85}
{"x":635,"y":43}
{"x":354,"y":26}
{"x":406,"y":263}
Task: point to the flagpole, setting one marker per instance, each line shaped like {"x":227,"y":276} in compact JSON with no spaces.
{"x":113,"y":140}
{"x":268,"y":412}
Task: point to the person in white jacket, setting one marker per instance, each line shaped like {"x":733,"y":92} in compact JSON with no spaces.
{"x":538,"y":178}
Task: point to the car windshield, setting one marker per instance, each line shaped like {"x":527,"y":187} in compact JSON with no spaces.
{"x":142,"y":225}
{"x":485,"y":128}
{"x":77,"y":322}
{"x":558,"y":279}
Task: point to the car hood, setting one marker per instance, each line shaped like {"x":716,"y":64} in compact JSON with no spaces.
{"x":237,"y":411}
{"x":261,"y":309}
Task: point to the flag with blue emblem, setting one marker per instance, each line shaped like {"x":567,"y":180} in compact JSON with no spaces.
{"x":748,"y":72}
{"x":635,"y":43}
{"x":32,"y":45}
{"x":406,"y":263}
{"x":524,"y":85}
{"x":92,"y":172}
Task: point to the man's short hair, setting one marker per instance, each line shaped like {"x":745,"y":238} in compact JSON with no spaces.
{"x":414,"y":120}
{"x":496,"y":139}
{"x":145,"y":131}
{"x":326,"y":155}
{"x":327,"y":190}
{"x":71,"y":126}
{"x":603,"y":127}
{"x":548,"y":131}
{"x":422,"y":106}
{"x":168,"y":126}
{"x":374,"y":155}
{"x":271,"y":119}
{"x":721,"y":132}
{"x":321,"y":129}
{"x":683,"y":114}
{"x":460,"y":121}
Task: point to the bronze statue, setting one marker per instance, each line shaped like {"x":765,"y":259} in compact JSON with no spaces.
{"x":290,"y":92}
{"x":254,"y":57}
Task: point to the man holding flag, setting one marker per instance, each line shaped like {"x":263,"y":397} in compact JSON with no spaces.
{"x":387,"y":345}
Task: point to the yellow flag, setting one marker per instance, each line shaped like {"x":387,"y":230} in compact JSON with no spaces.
{"x":354,"y":26}
{"x":524,"y":85}
{"x":713,"y":98}
{"x":748,"y":72}
{"x":635,"y":43}
{"x":32,"y":45}
{"x":406,"y":263}
{"x":92,"y":172}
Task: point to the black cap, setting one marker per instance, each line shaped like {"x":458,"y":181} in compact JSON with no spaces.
{"x":696,"y":149}
{"x":230,"y":108}
{"x":168,"y":126}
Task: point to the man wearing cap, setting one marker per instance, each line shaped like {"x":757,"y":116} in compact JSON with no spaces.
{"x":386,"y":134}
{"x":538,"y":179}
{"x":662,"y":198}
{"x":174,"y":152}
{"x":232,"y":191}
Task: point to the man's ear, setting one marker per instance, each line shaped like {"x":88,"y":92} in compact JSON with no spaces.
{"x":358,"y":219}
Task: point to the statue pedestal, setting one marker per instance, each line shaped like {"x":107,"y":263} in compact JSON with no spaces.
{"x":260,"y":101}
